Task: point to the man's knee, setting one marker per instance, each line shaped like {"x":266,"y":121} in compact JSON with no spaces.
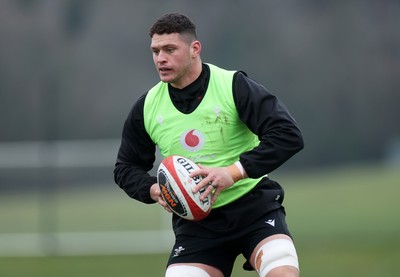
{"x":193,"y":270}
{"x":283,"y":271}
{"x":276,"y":256}
{"x":185,"y":271}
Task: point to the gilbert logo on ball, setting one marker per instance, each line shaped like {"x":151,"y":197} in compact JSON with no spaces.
{"x":176,"y":188}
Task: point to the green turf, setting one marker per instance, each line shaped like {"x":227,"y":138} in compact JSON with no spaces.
{"x":321,"y":257}
{"x":344,"y":222}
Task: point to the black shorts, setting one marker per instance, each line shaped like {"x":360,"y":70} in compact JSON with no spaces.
{"x":231,"y":230}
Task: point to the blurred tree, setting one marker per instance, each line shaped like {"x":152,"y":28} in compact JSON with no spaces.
{"x":76,"y":16}
{"x":334,"y":63}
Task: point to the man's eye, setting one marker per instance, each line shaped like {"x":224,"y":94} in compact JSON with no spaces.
{"x":170,"y":50}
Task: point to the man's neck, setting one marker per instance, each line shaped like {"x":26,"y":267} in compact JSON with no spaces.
{"x":191,"y":76}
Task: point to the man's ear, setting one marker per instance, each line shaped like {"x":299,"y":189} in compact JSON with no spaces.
{"x":196,"y":48}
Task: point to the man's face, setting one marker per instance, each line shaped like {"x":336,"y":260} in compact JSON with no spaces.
{"x":173,"y":57}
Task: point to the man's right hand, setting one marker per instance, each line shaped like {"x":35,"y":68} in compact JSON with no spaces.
{"x":155,"y":194}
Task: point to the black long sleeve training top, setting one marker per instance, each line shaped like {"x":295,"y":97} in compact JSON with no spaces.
{"x":263,"y":113}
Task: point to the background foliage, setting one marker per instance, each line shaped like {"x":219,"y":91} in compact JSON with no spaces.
{"x":72,"y":69}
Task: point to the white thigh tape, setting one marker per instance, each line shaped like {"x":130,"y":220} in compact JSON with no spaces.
{"x":275,"y":253}
{"x":185,"y":271}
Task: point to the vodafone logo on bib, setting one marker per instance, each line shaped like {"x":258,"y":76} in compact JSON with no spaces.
{"x":192,"y":140}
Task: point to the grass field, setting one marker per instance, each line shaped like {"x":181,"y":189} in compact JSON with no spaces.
{"x":344,"y":222}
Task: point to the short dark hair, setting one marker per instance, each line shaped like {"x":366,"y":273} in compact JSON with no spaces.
{"x":173,"y":23}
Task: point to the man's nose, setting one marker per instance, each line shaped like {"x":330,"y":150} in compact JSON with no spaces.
{"x":161,"y":57}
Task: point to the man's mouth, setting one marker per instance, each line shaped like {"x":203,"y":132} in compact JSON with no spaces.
{"x":164,"y":69}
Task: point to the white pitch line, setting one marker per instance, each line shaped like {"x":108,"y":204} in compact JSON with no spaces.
{"x":85,"y":243}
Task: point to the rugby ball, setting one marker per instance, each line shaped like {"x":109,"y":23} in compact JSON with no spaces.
{"x":176,"y":188}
